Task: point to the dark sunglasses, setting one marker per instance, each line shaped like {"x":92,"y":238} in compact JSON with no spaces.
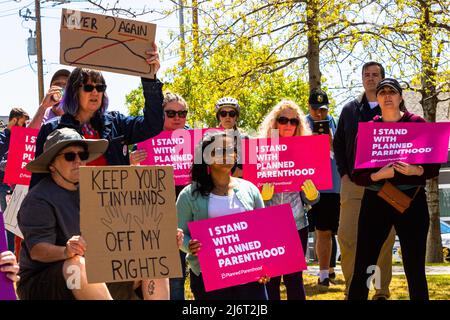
{"x":173,"y":113}
{"x":231,"y":113}
{"x":90,"y":87}
{"x":222,"y":151}
{"x":284,"y":120}
{"x":70,"y":156}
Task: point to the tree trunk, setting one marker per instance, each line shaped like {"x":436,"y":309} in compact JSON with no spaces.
{"x":429,"y":105}
{"x":313,"y":55}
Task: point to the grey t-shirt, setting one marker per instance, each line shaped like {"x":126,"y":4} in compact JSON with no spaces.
{"x":49,"y":214}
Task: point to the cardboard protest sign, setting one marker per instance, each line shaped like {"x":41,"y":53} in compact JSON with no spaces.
{"x":6,"y":285}
{"x":22,"y":148}
{"x":288,"y":162}
{"x":10,"y":214}
{"x":242,"y":247}
{"x":106,"y":43}
{"x":381,"y":143}
{"x":128,"y":218}
{"x":175,"y":148}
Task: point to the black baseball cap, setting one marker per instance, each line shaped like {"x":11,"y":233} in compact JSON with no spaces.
{"x":389,"y":82}
{"x":60,"y":73}
{"x":318,"y":99}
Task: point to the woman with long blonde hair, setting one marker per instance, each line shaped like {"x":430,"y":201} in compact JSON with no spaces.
{"x":286,"y":119}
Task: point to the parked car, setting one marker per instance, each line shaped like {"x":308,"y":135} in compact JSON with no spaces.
{"x":396,"y":250}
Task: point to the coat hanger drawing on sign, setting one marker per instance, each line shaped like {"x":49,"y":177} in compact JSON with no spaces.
{"x":71,"y":56}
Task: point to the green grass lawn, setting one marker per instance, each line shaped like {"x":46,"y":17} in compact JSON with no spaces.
{"x":438,"y":286}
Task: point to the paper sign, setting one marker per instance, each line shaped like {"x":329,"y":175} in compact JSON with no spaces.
{"x":128,"y":218}
{"x":242,"y":247}
{"x":380,"y":144}
{"x":10,"y":215}
{"x":174,"y":148}
{"x":106,"y":43}
{"x":6,"y":285}
{"x":288,"y":162}
{"x":22,"y":148}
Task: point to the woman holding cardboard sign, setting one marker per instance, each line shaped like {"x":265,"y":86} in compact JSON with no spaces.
{"x":85,"y":104}
{"x":213,"y":193}
{"x":289,"y":120}
{"x":394,"y":196}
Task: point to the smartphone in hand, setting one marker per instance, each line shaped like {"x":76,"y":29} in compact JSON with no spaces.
{"x":321,"y":127}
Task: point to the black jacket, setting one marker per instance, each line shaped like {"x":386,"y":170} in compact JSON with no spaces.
{"x":353,"y":112}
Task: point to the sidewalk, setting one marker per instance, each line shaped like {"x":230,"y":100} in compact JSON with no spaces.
{"x":396,"y":270}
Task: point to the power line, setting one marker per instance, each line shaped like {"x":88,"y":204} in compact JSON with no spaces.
{"x":17,"y":1}
{"x":15,"y":69}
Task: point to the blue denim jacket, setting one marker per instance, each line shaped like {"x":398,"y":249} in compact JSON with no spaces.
{"x":118,"y":129}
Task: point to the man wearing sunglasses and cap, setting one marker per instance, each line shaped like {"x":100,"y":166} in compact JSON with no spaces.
{"x":50,"y":105}
{"x":49,"y":219}
{"x":324,"y":216}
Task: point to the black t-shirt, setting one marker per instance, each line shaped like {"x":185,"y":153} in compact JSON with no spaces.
{"x":49,"y":214}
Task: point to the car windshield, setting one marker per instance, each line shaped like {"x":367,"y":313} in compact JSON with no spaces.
{"x":445,"y":228}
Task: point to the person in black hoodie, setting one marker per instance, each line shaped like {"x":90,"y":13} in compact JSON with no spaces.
{"x":363,"y":109}
{"x":377,"y":216}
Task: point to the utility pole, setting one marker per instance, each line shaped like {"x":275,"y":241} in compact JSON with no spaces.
{"x":195,"y":37}
{"x":182,"y":32}
{"x":39,"y":50}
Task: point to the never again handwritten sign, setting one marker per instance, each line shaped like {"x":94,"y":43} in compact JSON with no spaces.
{"x":22,"y":148}
{"x":128,"y":218}
{"x":380,"y":144}
{"x":106,"y":43}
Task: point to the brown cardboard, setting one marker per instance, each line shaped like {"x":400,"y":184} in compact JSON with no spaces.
{"x":128,"y":219}
{"x":106,"y":43}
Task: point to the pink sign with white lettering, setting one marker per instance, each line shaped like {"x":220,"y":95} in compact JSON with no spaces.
{"x":381,"y":143}
{"x":22,"y":148}
{"x":288,"y":162}
{"x":241,"y":248}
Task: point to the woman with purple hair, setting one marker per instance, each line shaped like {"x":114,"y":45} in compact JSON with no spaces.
{"x":85,"y":105}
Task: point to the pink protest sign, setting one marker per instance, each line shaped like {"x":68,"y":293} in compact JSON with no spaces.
{"x":242,"y":247}
{"x":288,"y":162}
{"x":22,"y":148}
{"x":175,"y":148}
{"x":6,"y":285}
{"x":381,"y":143}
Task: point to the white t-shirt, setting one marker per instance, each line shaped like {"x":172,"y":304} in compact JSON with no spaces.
{"x":219,"y":206}
{"x":373,"y":104}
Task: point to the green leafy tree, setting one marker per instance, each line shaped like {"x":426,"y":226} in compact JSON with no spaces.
{"x":232,"y":70}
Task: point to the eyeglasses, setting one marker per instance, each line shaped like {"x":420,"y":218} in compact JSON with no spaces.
{"x":231,"y":113}
{"x":173,"y":113}
{"x":70,"y":156}
{"x":284,"y":120}
{"x":90,"y":87}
